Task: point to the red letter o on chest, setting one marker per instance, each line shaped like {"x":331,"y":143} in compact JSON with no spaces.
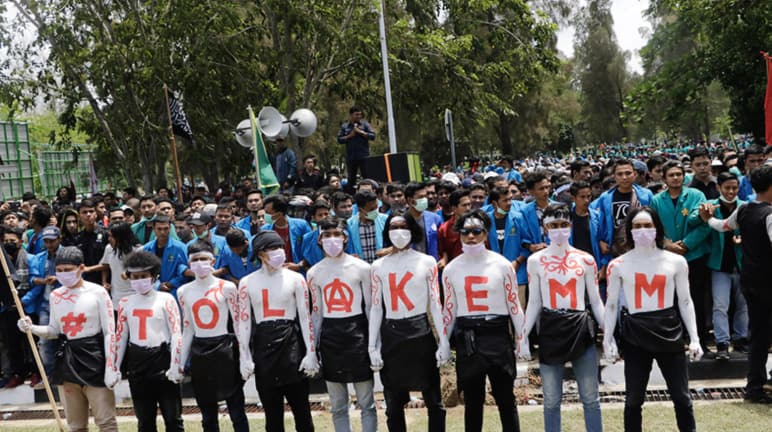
{"x":215,"y":313}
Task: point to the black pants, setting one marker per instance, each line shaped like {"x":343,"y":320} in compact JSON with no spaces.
{"x":397,"y":399}
{"x":148,"y":395}
{"x":272,"y":399}
{"x":674,"y":370}
{"x":235,"y":403}
{"x":14,"y":342}
{"x":502,"y":385}
{"x":351,"y":167}
{"x":760,"y":330}
{"x":699,"y":287}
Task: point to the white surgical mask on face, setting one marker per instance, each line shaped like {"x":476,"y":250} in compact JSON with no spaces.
{"x":644,"y":237}
{"x":332,"y":246}
{"x":276,"y":258}
{"x":473,"y":249}
{"x":559,"y":236}
{"x":141,"y":286}
{"x":202,"y":269}
{"x":68,"y":279}
{"x":734,"y":200}
{"x":400,"y":238}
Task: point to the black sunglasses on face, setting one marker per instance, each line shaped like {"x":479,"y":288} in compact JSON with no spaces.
{"x":475,"y":231}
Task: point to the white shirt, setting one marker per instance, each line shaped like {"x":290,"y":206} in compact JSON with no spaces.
{"x":149,"y":320}
{"x":119,"y":287}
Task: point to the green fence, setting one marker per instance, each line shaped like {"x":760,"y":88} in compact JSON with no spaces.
{"x":57,"y":168}
{"x":16,"y":176}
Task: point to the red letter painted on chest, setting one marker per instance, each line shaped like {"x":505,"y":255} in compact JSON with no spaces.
{"x":142,"y":315}
{"x":397,"y":291}
{"x":469,"y":281}
{"x":559,"y":289}
{"x":657,"y":285}
{"x":267,"y":311}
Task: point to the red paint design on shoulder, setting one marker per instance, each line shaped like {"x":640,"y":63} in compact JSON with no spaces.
{"x":568,"y":262}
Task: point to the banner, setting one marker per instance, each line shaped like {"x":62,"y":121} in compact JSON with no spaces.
{"x":265,"y":175}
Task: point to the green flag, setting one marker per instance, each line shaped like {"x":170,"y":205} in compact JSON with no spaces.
{"x":265,"y":175}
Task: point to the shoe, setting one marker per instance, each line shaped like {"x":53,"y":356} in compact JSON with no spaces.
{"x":36,"y":382}
{"x":722,"y":351}
{"x":758,"y":398}
{"x":14,"y":382}
{"x":707,"y":354}
{"x":740,"y":346}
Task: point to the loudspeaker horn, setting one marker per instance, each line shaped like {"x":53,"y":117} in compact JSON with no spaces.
{"x":243,"y":134}
{"x":303,"y":122}
{"x":271,"y":122}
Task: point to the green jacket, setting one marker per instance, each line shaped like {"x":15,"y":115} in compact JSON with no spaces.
{"x":139,"y":231}
{"x":675,"y":220}
{"x":717,"y":238}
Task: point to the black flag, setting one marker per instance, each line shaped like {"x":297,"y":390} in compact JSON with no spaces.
{"x":180,"y":125}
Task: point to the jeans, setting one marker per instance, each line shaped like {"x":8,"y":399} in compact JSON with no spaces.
{"x":339,"y":405}
{"x":760,"y":313}
{"x":209,"y":410}
{"x":47,"y":347}
{"x":586,"y":372}
{"x":148,"y":395}
{"x":272,"y":399}
{"x":395,"y":408}
{"x":726,"y":288}
{"x":675,"y":371}
{"x":502,"y":385}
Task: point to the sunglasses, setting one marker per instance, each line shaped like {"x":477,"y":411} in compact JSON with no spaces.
{"x":475,"y":231}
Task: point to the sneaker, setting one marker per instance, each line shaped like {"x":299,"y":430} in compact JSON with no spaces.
{"x":758,"y":398}
{"x":35,"y":381}
{"x":707,"y":354}
{"x":14,"y":382}
{"x":740,"y":346}
{"x":722,"y":351}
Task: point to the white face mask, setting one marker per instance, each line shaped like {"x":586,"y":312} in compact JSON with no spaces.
{"x":202,"y":269}
{"x":644,"y":237}
{"x":559,"y":236}
{"x":141,"y":286}
{"x":400,"y":238}
{"x":473,"y":249}
{"x":68,"y":279}
{"x":332,"y":246}
{"x":276,"y":258}
{"x":734,"y":200}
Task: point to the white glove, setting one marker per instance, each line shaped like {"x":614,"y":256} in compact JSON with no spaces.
{"x":376,"y":362}
{"x":309,"y":365}
{"x":24,"y":324}
{"x":112,"y":377}
{"x":443,"y":354}
{"x":695,"y":351}
{"x":247,"y":368}
{"x":610,"y":351}
{"x":174,"y":375}
{"x":524,"y":351}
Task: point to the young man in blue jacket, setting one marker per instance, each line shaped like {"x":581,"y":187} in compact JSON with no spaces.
{"x":173,"y":255}
{"x":415,"y":197}
{"x":506,"y":234}
{"x":538,"y":185}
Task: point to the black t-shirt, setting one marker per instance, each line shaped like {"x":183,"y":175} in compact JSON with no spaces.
{"x":581,"y":233}
{"x":159,"y":252}
{"x":620,"y":206}
{"x":501,"y":225}
{"x":92,"y":244}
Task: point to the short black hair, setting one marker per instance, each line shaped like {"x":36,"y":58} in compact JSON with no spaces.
{"x":698,"y":151}
{"x":559,"y":210}
{"x":42,"y":216}
{"x":412,"y":188}
{"x":448,"y":186}
{"x":225,"y":206}
{"x":364,"y":197}
{"x":278,"y":202}
{"x":354,"y":109}
{"x":577,"y":186}
{"x":200,"y":246}
{"x":253,"y":191}
{"x":761,"y":178}
{"x":577,"y":165}
{"x":147,"y":198}
{"x":725,"y":177}
{"x":670,"y":165}
{"x":535,"y":177}
{"x":86,"y":203}
{"x":455,"y":196}
{"x":496,"y":193}
{"x":338,"y":197}
{"x":235,"y":238}
{"x":394,"y":187}
{"x":754,"y":149}
{"x":162,"y":219}
{"x":477,"y":214}
{"x":332,"y":223}
{"x":143,"y":259}
{"x":654,"y":161}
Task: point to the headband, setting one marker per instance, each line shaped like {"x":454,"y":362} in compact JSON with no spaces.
{"x":396,"y":219}
{"x":138,"y":269}
{"x":474,"y":222}
{"x":555,"y":218}
{"x":202,"y":254}
{"x":643,"y":216}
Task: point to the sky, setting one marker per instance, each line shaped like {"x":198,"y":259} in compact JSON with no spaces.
{"x":628,"y":20}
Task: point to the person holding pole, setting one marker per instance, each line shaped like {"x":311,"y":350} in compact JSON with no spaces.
{"x":82,"y":315}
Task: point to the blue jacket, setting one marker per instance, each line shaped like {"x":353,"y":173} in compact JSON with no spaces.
{"x":594,"y":235}
{"x":514,"y":230}
{"x":353,"y":233}
{"x":604,"y":204}
{"x":746,"y":190}
{"x":174,"y":262}
{"x":39,"y":267}
{"x":534,"y":233}
{"x":139,"y":231}
{"x":675,"y":220}
{"x":245,"y":224}
{"x":238,"y":266}
{"x":297,"y":229}
{"x":285,"y":164}
{"x":432,"y":223}
{"x":357,"y":147}
{"x":311,"y":251}
{"x":37,"y":246}
{"x":514,"y":174}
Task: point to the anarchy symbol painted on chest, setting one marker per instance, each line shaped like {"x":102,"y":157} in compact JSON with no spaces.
{"x":338,"y":296}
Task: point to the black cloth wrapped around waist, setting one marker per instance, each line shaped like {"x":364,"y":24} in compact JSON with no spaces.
{"x":142,"y":363}
{"x":81,"y":361}
{"x":214,"y":367}
{"x":483,"y":342}
{"x":564,"y":334}
{"x":277,"y":350}
{"x":343,"y":349}
{"x":654,"y":331}
{"x":407,"y":348}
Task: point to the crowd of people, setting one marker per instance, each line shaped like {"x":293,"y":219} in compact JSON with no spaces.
{"x":657,"y":255}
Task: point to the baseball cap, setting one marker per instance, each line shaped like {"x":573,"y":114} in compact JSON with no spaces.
{"x":50,"y":233}
{"x":199,"y":219}
{"x":127,"y":208}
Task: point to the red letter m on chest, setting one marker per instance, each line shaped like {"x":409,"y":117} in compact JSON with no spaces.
{"x":657,"y":285}
{"x":567,"y":290}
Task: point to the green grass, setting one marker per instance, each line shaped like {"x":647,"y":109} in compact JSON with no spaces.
{"x":711,"y":416}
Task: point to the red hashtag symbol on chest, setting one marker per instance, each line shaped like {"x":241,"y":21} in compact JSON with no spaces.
{"x":72,"y":324}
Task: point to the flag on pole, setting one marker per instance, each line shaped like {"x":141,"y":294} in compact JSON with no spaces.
{"x":92,"y":177}
{"x":768,"y":100}
{"x":180,"y":125}
{"x":265,"y":175}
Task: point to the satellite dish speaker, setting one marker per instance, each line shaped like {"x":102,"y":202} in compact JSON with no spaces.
{"x":303,"y":122}
{"x":244,"y":134}
{"x":272,"y":123}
